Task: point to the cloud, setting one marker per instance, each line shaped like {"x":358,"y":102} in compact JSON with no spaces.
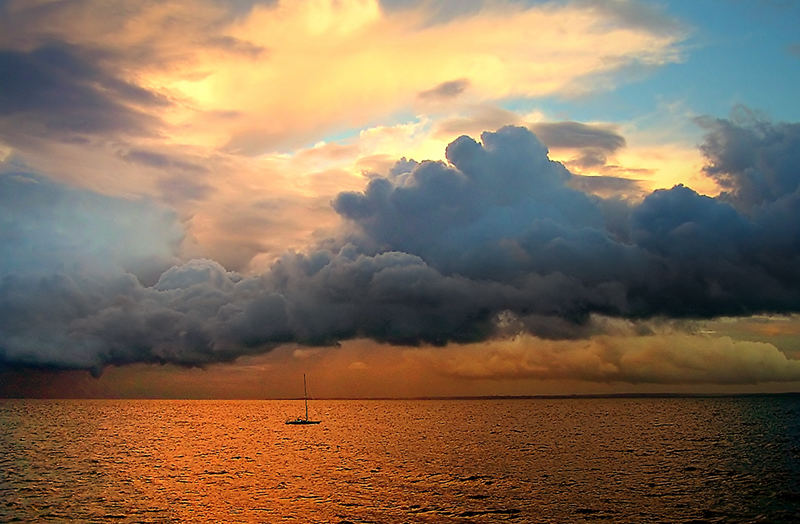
{"x":415,"y":51}
{"x":578,"y":135}
{"x":495,"y":241}
{"x":503,"y":211}
{"x":630,"y":13}
{"x":236,"y":46}
{"x":606,"y":186}
{"x":667,"y":359}
{"x":49,"y":228}
{"x":488,"y":200}
{"x":71,"y":251}
{"x":597,"y":154}
{"x":134,"y":34}
{"x":58,"y":90}
{"x":754,"y":160}
{"x":155,"y":103}
{"x":593,"y":142}
{"x":480,"y":117}
{"x":446,"y":90}
{"x":162,"y":161}
{"x":437,"y":12}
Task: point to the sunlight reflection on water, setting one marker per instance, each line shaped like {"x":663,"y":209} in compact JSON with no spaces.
{"x":524,"y":460}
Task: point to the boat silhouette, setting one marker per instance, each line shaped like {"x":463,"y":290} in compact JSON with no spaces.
{"x":301,"y":420}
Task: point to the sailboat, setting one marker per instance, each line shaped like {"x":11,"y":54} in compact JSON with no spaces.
{"x":300,"y":420}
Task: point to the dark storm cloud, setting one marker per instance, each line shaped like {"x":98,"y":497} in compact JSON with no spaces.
{"x":446,"y":90}
{"x":503,"y":212}
{"x":436,"y":253}
{"x":756,"y":161}
{"x":59,"y":89}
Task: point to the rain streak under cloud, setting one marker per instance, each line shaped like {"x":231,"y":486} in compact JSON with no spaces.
{"x":155,"y":208}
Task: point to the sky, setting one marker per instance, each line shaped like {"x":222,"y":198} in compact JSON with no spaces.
{"x":207,"y":199}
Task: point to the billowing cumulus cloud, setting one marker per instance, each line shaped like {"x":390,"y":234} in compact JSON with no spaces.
{"x":756,"y":162}
{"x":494,"y":241}
{"x":586,"y":149}
{"x":503,"y":211}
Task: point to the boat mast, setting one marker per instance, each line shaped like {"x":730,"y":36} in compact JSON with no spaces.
{"x":305,"y":394}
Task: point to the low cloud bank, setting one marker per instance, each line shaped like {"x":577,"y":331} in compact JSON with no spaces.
{"x":677,"y":358}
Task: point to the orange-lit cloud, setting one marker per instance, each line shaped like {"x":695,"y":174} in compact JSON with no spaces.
{"x":285,"y":74}
{"x":660,"y":359}
{"x":333,"y":65}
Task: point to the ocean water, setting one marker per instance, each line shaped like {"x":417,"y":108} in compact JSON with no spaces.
{"x":520,"y":460}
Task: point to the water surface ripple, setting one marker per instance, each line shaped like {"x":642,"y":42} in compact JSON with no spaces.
{"x":520,"y":460}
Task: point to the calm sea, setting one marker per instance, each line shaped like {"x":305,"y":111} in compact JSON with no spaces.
{"x":521,"y":460}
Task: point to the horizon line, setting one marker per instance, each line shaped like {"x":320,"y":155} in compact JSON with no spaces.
{"x":557,"y":396}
